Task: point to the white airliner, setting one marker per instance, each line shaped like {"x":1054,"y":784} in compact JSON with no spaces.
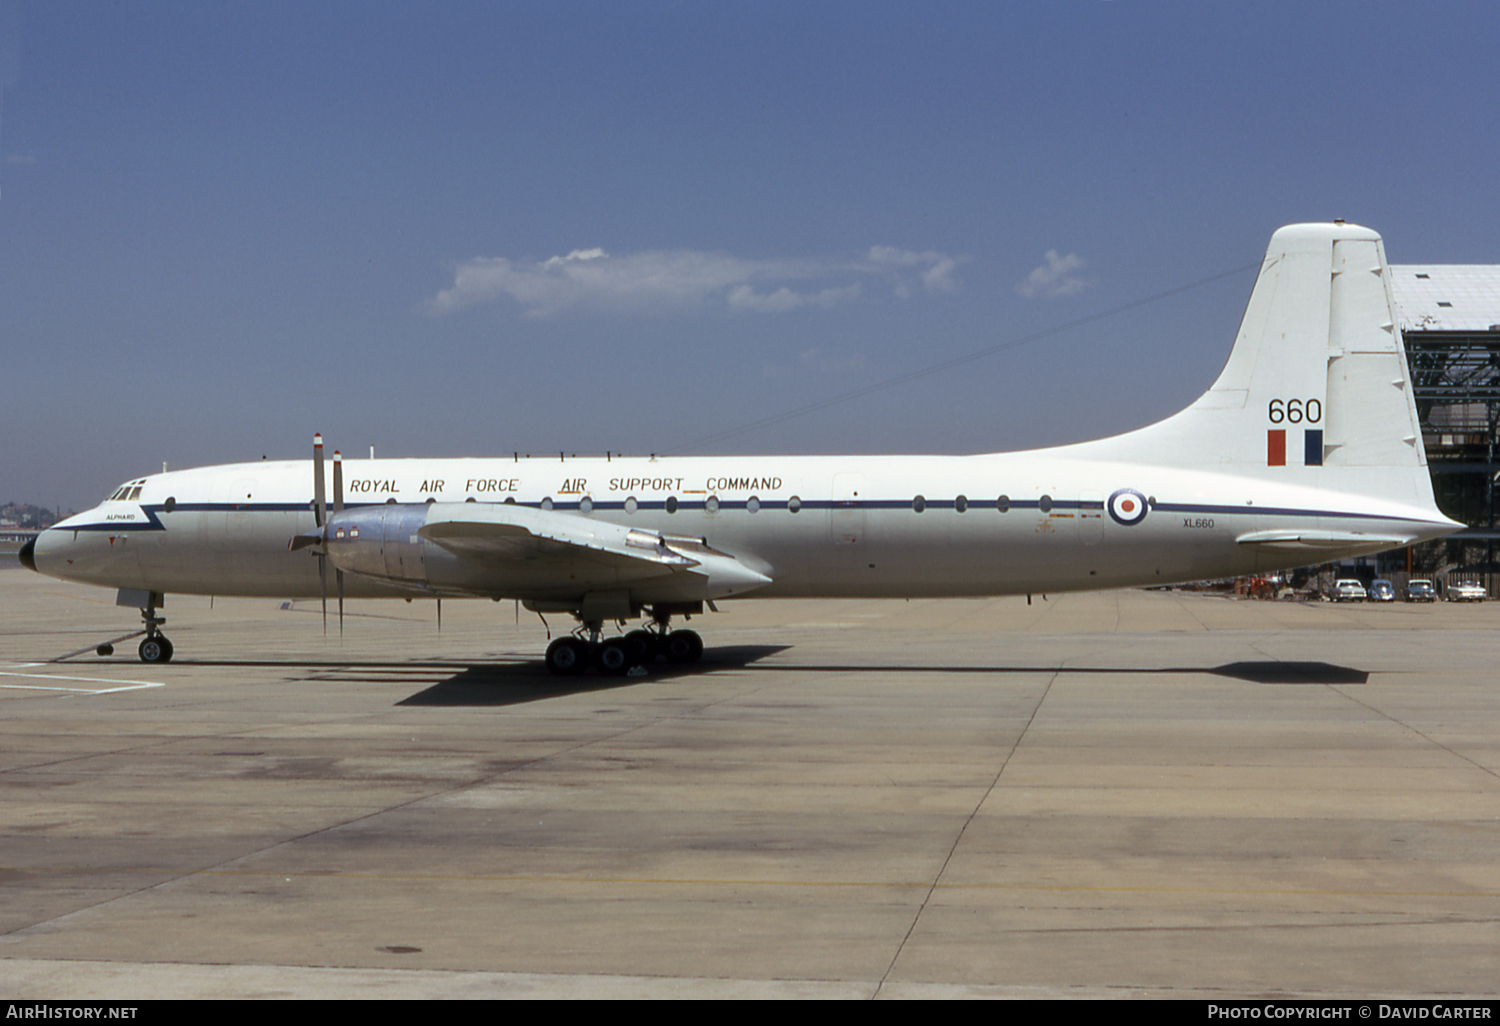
{"x":1306,"y":449}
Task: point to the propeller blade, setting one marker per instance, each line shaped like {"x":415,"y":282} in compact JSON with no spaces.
{"x":338,"y":507}
{"x":320,"y":513}
{"x":320,"y":503}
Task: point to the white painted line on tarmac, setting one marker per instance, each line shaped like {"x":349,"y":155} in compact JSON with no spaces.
{"x":120,"y":685}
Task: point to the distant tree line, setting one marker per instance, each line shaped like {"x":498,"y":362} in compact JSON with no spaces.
{"x":25,"y":515}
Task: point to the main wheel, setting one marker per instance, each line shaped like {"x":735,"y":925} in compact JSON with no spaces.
{"x":683,"y":647}
{"x":155,"y":649}
{"x":614,"y":657}
{"x":567,"y":657}
{"x":642,"y":646}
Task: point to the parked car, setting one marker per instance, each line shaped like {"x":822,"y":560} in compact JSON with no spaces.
{"x":1348,"y":590}
{"x":1419,"y":590}
{"x":1465,"y":591}
{"x":1382,"y":590}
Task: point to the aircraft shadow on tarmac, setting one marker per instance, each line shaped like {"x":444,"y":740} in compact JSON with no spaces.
{"x":494,"y":684}
{"x":1267,"y":672}
{"x":518,"y":681}
{"x":498,"y":684}
{"x":1272,"y":672}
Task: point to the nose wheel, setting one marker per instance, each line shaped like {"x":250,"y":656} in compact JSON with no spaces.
{"x":155,"y":649}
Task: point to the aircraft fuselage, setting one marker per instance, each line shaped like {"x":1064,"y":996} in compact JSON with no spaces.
{"x":887,"y":526}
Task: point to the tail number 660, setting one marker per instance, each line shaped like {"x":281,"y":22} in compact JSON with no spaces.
{"x":1295,"y":411}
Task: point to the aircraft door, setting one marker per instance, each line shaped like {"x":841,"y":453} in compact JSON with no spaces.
{"x":1090,"y":516}
{"x":229,"y":524}
{"x":846,"y":515}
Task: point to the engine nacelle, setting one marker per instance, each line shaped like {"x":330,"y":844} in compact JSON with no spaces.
{"x":382,"y":542}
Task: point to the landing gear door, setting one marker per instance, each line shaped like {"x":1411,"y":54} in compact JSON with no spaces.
{"x":846,"y":516}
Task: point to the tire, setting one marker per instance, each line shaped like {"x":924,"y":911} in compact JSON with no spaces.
{"x":614,"y":658}
{"x":642,"y":646}
{"x":567,"y":657}
{"x":683,"y":647}
{"x":155,"y":650}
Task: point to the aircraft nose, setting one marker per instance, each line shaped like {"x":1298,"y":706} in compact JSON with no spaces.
{"x":28,"y":554}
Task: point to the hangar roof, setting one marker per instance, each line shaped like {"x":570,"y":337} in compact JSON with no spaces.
{"x":1447,"y":297}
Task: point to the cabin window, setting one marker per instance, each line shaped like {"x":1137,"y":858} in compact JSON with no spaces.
{"x":1045,"y":504}
{"x":1003,"y":504}
{"x":752,"y":505}
{"x":671,"y":504}
{"x":794,"y":504}
{"x":961,"y":503}
{"x":170,"y":504}
{"x":711,"y":505}
{"x":631,"y":505}
{"x":547,"y":502}
{"x":919,"y":504}
{"x":585,"y":505}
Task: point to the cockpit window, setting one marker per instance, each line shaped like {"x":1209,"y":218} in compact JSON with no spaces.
{"x":127,"y":491}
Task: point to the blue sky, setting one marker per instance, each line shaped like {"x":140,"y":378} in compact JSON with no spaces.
{"x":471,"y":228}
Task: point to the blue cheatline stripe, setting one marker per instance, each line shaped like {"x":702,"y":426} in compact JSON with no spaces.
{"x":155,"y":523}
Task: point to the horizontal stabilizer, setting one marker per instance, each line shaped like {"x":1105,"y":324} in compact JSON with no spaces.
{"x":1314,"y":541}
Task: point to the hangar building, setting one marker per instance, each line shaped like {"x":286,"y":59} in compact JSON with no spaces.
{"x":1450,"y":320}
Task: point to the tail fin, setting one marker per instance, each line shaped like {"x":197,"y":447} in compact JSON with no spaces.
{"x":1316,"y":391}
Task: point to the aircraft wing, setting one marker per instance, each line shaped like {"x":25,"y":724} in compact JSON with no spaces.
{"x":524,"y":552}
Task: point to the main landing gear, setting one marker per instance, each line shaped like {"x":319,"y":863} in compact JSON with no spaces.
{"x":574,"y":653}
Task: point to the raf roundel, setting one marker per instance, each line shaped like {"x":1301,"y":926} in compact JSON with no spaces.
{"x":1127,"y":506}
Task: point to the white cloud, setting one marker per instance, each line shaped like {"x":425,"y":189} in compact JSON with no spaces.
{"x":1055,"y":277}
{"x":815,"y":361}
{"x":659,"y":281}
{"x":935,"y":269}
{"x":743,"y":297}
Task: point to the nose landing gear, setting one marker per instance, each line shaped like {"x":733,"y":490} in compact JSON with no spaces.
{"x":154,"y":647}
